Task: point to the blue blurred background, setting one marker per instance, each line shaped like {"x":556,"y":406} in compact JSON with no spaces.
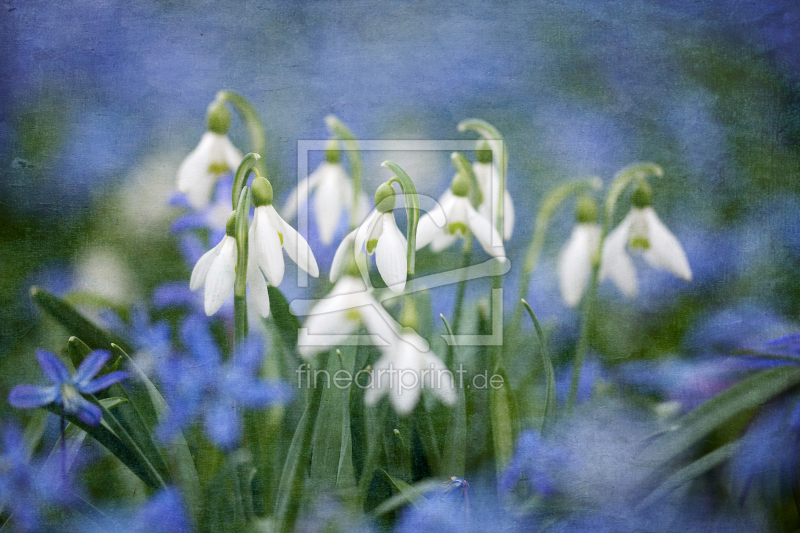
{"x":102,"y":99}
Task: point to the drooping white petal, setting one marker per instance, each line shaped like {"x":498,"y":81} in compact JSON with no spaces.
{"x":294,"y":243}
{"x":616,"y":263}
{"x":195,"y":179}
{"x":259,"y":294}
{"x":575,"y":262}
{"x":343,"y":253}
{"x":427,"y":228}
{"x":337,"y":313}
{"x":390,"y":254}
{"x":665,"y":251}
{"x":299,"y":195}
{"x":221,"y":276}
{"x":485,"y":233}
{"x":440,"y":381}
{"x":365,"y":229}
{"x":508,"y":215}
{"x":269,"y":250}
{"x":329,"y":200}
{"x":376,"y":229}
{"x":200,"y":270}
{"x":405,"y":395}
{"x":442,"y":241}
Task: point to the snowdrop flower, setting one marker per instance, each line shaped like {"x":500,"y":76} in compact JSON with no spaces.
{"x":380,"y":235}
{"x":333,"y":194}
{"x":214,"y":156}
{"x":66,"y":389}
{"x":576,"y":258}
{"x":643,"y":232}
{"x":268,"y":234}
{"x":461,"y":217}
{"x":488,"y":176}
{"x":217,"y":270}
{"x":404,"y":370}
{"x":348,"y":306}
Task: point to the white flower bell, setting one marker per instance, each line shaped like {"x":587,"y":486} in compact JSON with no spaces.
{"x":214,"y":156}
{"x":460,"y":217}
{"x":578,"y":255}
{"x":333,"y":194}
{"x":404,"y":370}
{"x":642,"y":232}
{"x":488,"y":176}
{"x":216,"y":269}
{"x":380,"y":235}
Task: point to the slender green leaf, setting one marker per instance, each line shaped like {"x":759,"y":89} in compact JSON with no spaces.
{"x":287,"y":323}
{"x":74,"y":322}
{"x":455,"y":449}
{"x":549,"y":375}
{"x":407,"y":494}
{"x":699,"y":423}
{"x":502,"y":416}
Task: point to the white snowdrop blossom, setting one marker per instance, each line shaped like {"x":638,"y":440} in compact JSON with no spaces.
{"x":404,"y":370}
{"x":214,"y":156}
{"x":216,"y":269}
{"x":337,"y":316}
{"x":460,"y":217}
{"x":642,"y":232}
{"x":488,"y":176}
{"x":333,"y":194}
{"x":268,"y":234}
{"x":575,"y":261}
{"x":380,"y":235}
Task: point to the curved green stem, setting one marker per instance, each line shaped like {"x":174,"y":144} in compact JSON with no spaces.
{"x":247,"y":166}
{"x":255,"y":128}
{"x":239,"y":288}
{"x":548,"y":207}
{"x":354,"y":156}
{"x":462,"y":284}
{"x":550,"y":376}
{"x":464,"y":166}
{"x":412,"y":209}
{"x":495,"y":140}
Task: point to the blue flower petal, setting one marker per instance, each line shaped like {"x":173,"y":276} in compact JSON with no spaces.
{"x":251,"y":393}
{"x":52,"y":367}
{"x":198,"y":339}
{"x":222,"y":425}
{"x":103,"y":382}
{"x":29,"y":396}
{"x":87,"y":412}
{"x":90,"y":366}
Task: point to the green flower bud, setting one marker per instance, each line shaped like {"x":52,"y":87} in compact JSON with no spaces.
{"x":219,"y":117}
{"x":460,"y":185}
{"x":262,"y":191}
{"x":643,"y":195}
{"x":484,"y":153}
{"x":332,"y":152}
{"x":586,"y":210}
{"x":385,"y":198}
{"x":230,"y":225}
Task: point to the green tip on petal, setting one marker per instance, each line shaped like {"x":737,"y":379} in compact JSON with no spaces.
{"x":484,"y":153}
{"x":643,"y":195}
{"x":218,"y":117}
{"x":262,"y":191}
{"x":586,"y":210}
{"x":456,"y":227}
{"x":639,"y":243}
{"x":460,"y":185}
{"x":230,"y":225}
{"x":371,"y":245}
{"x":385,"y":198}
{"x":332,"y":154}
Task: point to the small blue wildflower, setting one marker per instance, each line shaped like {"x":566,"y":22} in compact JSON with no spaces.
{"x":27,"y":494}
{"x":533,"y":462}
{"x":65,"y":389}
{"x":163,"y":513}
{"x":151,"y":341}
{"x":201,"y":384}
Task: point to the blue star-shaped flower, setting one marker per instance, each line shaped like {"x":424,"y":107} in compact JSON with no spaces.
{"x":201,"y":384}
{"x":66,"y":389}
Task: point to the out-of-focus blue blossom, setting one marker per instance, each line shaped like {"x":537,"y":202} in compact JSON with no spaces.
{"x":592,"y":374}
{"x":533,"y":465}
{"x":66,"y":389}
{"x":202,"y":385}
{"x":151,"y":341}
{"x":437,"y":513}
{"x":27,"y":494}
{"x":163,"y":513}
{"x":212,"y":217}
